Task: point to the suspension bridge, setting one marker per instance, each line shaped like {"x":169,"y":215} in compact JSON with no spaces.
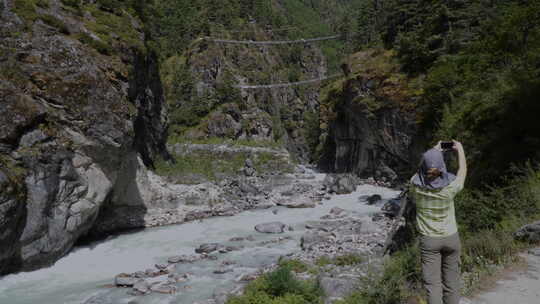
{"x":271,"y":42}
{"x":287,"y":84}
{"x":276,"y":42}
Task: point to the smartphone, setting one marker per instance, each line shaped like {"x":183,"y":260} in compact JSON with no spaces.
{"x":447,"y":145}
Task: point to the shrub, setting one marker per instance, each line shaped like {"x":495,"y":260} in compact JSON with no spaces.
{"x":279,"y":286}
{"x":496,"y":207}
{"x":72,"y":3}
{"x":43,"y":3}
{"x":348,"y":259}
{"x":293,"y":265}
{"x":99,"y":46}
{"x":399,"y":279}
{"x":25,"y":9}
{"x":486,"y":248}
{"x":114,"y":6}
{"x":340,"y":260}
{"x":55,"y":22}
{"x":207,"y":164}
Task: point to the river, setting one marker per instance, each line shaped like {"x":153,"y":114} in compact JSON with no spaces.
{"x":82,"y":275}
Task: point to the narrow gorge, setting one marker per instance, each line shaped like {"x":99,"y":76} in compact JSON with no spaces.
{"x":146,"y":156}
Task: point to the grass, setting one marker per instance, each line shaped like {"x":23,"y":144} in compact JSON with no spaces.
{"x":42,"y":3}
{"x":54,"y":22}
{"x":484,"y":252}
{"x":214,"y":166}
{"x":392,"y":285}
{"x":99,"y":46}
{"x":71,"y":3}
{"x":293,"y":265}
{"x":340,"y":260}
{"x":107,"y":23}
{"x":205,"y":164}
{"x":279,"y":287}
{"x":227,"y":141}
{"x":26,"y":9}
{"x":16,"y":174}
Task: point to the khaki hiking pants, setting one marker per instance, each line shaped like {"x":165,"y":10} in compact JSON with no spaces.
{"x":440,"y":268}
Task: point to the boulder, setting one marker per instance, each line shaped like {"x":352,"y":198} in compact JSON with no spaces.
{"x":272,"y":227}
{"x":337,"y":288}
{"x":310,"y":239}
{"x":141,"y":287}
{"x":391,"y":208}
{"x":161,"y":266}
{"x":248,"y":171}
{"x":336,"y":210}
{"x":319,"y":225}
{"x":237,"y":239}
{"x":140,"y":274}
{"x":208,"y":248}
{"x":377,"y":217}
{"x":177,"y":278}
{"x":183,"y":259}
{"x":247,"y":187}
{"x":529,"y":232}
{"x":223,"y":270}
{"x":298,"y":203}
{"x":363,"y":198}
{"x":385,"y":173}
{"x":125,"y":280}
{"x":340,"y":183}
{"x":163,"y":288}
{"x":332,"y":216}
{"x":373,"y":199}
{"x":31,"y":138}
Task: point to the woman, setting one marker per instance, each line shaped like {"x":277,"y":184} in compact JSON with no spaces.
{"x":433,"y":190}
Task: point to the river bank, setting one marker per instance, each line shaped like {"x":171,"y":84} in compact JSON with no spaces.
{"x":336,"y":225}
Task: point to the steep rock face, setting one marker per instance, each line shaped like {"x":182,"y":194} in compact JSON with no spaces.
{"x":70,"y":111}
{"x":369,"y":120}
{"x":146,"y":92}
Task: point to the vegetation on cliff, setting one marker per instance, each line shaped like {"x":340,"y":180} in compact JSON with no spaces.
{"x":478,"y":71}
{"x":199,"y":75}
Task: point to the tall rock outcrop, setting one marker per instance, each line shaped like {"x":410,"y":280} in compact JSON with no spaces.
{"x":80,"y":99}
{"x":369,"y":121}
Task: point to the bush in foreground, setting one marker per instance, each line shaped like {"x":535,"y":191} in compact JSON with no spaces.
{"x":279,"y":286}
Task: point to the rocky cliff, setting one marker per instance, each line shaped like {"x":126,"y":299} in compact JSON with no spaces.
{"x":80,"y":103}
{"x":368,"y":120}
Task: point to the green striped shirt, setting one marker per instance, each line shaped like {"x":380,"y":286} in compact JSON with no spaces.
{"x":435,"y":215}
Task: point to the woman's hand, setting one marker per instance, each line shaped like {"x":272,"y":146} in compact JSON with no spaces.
{"x":458,"y":147}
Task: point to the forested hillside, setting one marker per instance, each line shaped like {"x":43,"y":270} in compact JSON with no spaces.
{"x":477,"y":66}
{"x":200,"y":75}
{"x":482,"y":76}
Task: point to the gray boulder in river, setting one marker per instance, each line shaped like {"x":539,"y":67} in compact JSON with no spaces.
{"x":272,"y":227}
{"x":341,"y":183}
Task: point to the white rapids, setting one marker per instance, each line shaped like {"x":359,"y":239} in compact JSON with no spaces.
{"x":83,"y":274}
